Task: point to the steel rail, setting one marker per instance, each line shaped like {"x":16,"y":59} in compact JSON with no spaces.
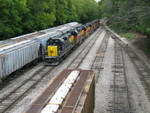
{"x":10,"y":100}
{"x":100,"y":56}
{"x":84,"y":51}
{"x":121,"y":103}
{"x":141,"y":68}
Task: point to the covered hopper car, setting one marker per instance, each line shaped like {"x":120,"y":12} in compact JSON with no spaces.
{"x":17,"y":55}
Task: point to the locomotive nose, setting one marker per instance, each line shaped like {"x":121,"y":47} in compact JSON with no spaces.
{"x":52,"y":51}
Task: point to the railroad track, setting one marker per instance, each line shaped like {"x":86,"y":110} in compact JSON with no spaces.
{"x":121,"y":102}
{"x":20,"y":91}
{"x":142,"y":69}
{"x":76,"y":62}
{"x":97,"y":64}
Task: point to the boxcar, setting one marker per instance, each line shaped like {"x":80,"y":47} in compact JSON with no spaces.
{"x":71,"y":91}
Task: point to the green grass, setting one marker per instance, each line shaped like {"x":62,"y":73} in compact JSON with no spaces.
{"x":128,"y":35}
{"x":146,"y":50}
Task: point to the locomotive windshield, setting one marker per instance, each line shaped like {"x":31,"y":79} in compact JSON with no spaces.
{"x":55,"y":42}
{"x":74,"y":32}
{"x":84,"y":28}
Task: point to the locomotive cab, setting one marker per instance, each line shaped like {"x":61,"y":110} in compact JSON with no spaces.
{"x":52,"y":51}
{"x":53,"y":47}
{"x":89,"y":29}
{"x":84,"y":30}
{"x":78,"y":35}
{"x":57,"y":49}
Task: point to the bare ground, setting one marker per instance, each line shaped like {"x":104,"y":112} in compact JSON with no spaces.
{"x":142,"y":43}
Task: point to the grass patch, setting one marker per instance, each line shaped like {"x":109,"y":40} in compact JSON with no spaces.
{"x":146,"y":50}
{"x":128,"y":35}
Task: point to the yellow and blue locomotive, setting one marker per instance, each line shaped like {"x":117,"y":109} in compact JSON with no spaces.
{"x":58,"y":48}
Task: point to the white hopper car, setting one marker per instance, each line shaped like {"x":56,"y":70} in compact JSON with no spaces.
{"x":20,"y":51}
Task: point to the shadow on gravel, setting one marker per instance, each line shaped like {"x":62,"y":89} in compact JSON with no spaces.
{"x":143,"y":44}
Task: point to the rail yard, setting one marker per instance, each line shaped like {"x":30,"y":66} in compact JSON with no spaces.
{"x":121,"y":76}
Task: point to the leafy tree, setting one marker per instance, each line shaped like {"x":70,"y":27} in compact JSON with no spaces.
{"x":11,"y":17}
{"x":61,"y":6}
{"x":24,"y":16}
{"x":87,"y":10}
{"x":79,"y":6}
{"x":71,"y":12}
{"x":42,"y":14}
{"x":91,"y":11}
{"x":127,"y":15}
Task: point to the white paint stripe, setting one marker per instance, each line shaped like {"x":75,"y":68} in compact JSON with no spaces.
{"x":61,"y":93}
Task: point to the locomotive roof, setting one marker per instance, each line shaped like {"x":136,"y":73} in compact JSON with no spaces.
{"x":59,"y":37}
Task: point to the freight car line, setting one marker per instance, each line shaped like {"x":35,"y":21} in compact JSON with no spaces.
{"x":38,"y":43}
{"x":97,"y":63}
{"x":80,"y":57}
{"x":10,"y":100}
{"x":35,"y":34}
{"x":121,"y":103}
{"x":141,"y":68}
{"x":27,"y":50}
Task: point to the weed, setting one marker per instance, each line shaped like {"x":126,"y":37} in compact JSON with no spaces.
{"x":128,"y":35}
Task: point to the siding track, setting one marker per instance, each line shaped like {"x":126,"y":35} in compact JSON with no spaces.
{"x":121,"y":103}
{"x":142,"y":69}
{"x":19,"y":92}
{"x":98,"y":61}
{"x":80,"y":57}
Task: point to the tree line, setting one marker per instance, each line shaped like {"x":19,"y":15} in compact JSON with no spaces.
{"x":19,"y":17}
{"x":127,"y":15}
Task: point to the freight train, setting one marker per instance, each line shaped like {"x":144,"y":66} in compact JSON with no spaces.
{"x":58,"y":47}
{"x":50,"y":45}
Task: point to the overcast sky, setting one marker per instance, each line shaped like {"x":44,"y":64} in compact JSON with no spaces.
{"x":97,"y":0}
